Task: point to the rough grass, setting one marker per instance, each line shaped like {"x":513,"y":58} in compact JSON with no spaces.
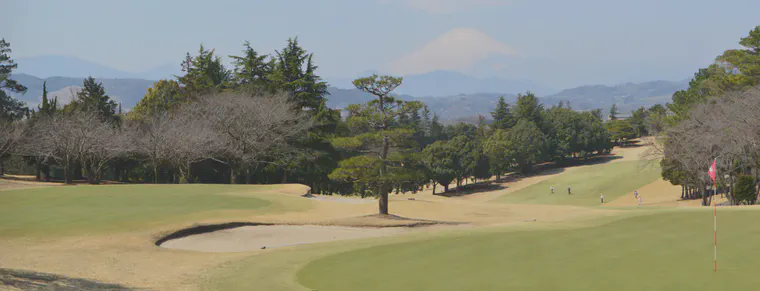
{"x":667,"y":251}
{"x":587,"y":183}
{"x":78,"y":210}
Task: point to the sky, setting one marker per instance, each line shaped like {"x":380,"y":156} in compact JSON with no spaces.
{"x":559,"y":43}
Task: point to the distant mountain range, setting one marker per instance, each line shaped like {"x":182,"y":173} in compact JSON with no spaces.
{"x":628,"y":97}
{"x":125,"y":91}
{"x":444,"y":83}
{"x":436,"y":83}
{"x":452,"y":95}
{"x":68,"y":66}
{"x":449,"y":107}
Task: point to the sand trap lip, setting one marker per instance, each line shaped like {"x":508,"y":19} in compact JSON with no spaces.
{"x":250,"y":238}
{"x":338,"y":199}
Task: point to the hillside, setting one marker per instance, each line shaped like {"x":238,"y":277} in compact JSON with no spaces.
{"x":627,"y":96}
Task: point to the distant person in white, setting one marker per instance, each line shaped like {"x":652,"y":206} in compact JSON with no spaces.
{"x":602,"y":197}
{"x":552,"y":189}
{"x":639,"y":201}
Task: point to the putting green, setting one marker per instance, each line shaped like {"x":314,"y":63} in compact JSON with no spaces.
{"x":666,"y":251}
{"x":587,"y":183}
{"x":73,"y":210}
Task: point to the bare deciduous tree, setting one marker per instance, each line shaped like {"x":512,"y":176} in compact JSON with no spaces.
{"x":76,"y":137}
{"x":250,"y":127}
{"x":10,"y":135}
{"x":727,"y":129}
{"x":153,"y":140}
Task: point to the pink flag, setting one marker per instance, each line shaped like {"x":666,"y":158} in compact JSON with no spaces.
{"x":713,"y":172}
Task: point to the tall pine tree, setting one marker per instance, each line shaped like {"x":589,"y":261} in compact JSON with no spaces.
{"x":501,"y":115}
{"x":295,"y":73}
{"x":93,"y":98}
{"x":204,"y":73}
{"x":48,"y":107}
{"x":10,"y":108}
{"x":251,"y":70}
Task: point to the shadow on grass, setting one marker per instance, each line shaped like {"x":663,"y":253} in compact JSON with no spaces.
{"x":29,"y":280}
{"x":469,"y":189}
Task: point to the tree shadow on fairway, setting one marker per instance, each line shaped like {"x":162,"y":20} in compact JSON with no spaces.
{"x":28,"y":280}
{"x":469,"y":189}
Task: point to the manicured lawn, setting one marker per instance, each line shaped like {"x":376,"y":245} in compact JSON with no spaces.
{"x":666,"y":251}
{"x":587,"y":183}
{"x":74,"y":210}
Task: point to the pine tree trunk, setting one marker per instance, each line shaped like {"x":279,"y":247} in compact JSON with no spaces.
{"x":155,"y":174}
{"x":434,"y":187}
{"x":446,"y":188}
{"x":383,"y":201}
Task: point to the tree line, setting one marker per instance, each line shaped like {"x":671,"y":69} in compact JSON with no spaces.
{"x":266,"y":121}
{"x":717,"y":118}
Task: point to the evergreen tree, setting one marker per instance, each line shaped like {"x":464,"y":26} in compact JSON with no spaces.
{"x":10,"y":108}
{"x":525,"y":141}
{"x":251,"y":69}
{"x":93,"y":98}
{"x":497,"y":150}
{"x":528,"y":108}
{"x":47,"y":107}
{"x":376,"y":167}
{"x":613,"y":112}
{"x":163,"y":96}
{"x":502,"y":117}
{"x":436,"y":128}
{"x":639,"y":121}
{"x":295,"y":73}
{"x":425,"y":122}
{"x":440,"y":160}
{"x":204,"y":73}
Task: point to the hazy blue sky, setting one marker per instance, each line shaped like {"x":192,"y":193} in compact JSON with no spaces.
{"x":559,"y":42}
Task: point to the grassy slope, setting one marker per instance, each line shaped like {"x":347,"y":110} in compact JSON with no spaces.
{"x":587,"y":183}
{"x":667,"y":251}
{"x":91,"y":209}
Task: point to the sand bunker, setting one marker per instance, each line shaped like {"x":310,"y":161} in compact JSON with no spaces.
{"x":249,"y":238}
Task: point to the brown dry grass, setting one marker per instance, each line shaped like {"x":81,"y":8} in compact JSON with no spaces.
{"x":132,"y":259}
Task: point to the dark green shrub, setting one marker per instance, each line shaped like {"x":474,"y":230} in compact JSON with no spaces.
{"x":745,"y":190}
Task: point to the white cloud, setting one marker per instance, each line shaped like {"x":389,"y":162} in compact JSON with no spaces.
{"x":445,"y":6}
{"x":456,"y":50}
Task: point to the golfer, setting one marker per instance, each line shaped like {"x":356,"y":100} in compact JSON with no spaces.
{"x":635,"y":194}
{"x":552,"y":189}
{"x":602,"y":197}
{"x":639,"y":201}
{"x":568,"y":191}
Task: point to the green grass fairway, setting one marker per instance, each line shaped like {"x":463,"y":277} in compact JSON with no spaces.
{"x":666,"y":251}
{"x":587,"y":183}
{"x":72,"y":210}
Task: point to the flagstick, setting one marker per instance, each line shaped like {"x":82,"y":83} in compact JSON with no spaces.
{"x":715,"y":229}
